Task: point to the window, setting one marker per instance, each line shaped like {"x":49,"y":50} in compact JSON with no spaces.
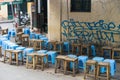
{"x":80,"y":5}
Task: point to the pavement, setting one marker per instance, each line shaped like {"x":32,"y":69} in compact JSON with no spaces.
{"x":13,"y":72}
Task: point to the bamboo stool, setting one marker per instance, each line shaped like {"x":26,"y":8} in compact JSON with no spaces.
{"x":60,"y":61}
{"x":107,"y":66}
{"x":89,"y":64}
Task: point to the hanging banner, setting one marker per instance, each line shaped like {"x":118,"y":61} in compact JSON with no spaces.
{"x":6,"y":1}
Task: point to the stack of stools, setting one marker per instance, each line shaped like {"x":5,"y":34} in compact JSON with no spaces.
{"x":25,"y":40}
{"x":88,"y":71}
{"x":51,"y":56}
{"x":73,"y":61}
{"x":82,"y":62}
{"x":60,"y":61}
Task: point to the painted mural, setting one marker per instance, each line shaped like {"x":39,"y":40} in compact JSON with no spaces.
{"x":90,"y":31}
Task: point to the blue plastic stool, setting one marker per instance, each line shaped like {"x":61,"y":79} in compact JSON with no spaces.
{"x":26,"y":31}
{"x":93,"y":50}
{"x":112,"y":66}
{"x":82,"y":61}
{"x":66,"y":47}
{"x":27,"y":51}
{"x":32,"y":35}
{"x":42,"y":51}
{"x":20,"y":55}
{"x":51,"y":56}
{"x":71,"y":63}
{"x":37,"y":36}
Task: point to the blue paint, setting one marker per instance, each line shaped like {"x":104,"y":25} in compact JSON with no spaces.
{"x":89,"y":31}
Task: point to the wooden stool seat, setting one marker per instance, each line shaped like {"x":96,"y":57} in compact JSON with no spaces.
{"x":91,"y":62}
{"x":107,"y":66}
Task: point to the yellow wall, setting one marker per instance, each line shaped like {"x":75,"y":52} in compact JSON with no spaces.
{"x":58,"y":10}
{"x":3,"y":12}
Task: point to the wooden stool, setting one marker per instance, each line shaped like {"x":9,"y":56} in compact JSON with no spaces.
{"x":75,"y":64}
{"x":60,"y":44}
{"x":89,"y":64}
{"x":40,"y":60}
{"x":60,"y":60}
{"x":18,"y":38}
{"x":25,"y":40}
{"x":31,"y":43}
{"x":32,"y":63}
{"x":4,"y":31}
{"x":107,"y":66}
{"x":10,"y":57}
{"x":76,"y":46}
{"x":107,"y":48}
{"x":38,"y":44}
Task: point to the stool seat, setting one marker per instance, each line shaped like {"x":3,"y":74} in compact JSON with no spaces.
{"x":61,"y":57}
{"x":103,"y":63}
{"x":91,"y":62}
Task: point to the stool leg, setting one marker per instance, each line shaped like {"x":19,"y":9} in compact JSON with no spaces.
{"x":27,"y":62}
{"x":17,"y":59}
{"x":65,"y":67}
{"x":10,"y":58}
{"x":73,"y":69}
{"x":56,"y":65}
{"x":85,"y":72}
{"x":42,"y":63}
{"x":108,"y":71}
{"x":98,"y":72}
{"x":47,"y":61}
{"x":4,"y":56}
{"x":34,"y":62}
